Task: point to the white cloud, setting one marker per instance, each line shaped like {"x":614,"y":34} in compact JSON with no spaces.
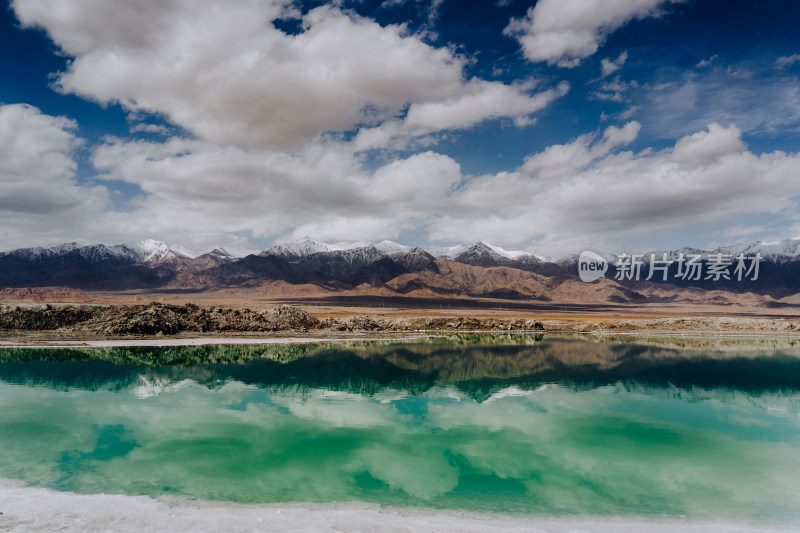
{"x":205,"y":187}
{"x":149,"y":128}
{"x":787,"y":61}
{"x":610,"y":66}
{"x":481,"y":100}
{"x":39,"y":195}
{"x":260,"y":102}
{"x":563,"y":159}
{"x":418,"y":183}
{"x":226,"y":74}
{"x":705,"y":147}
{"x":706,"y":62}
{"x":741,"y":230}
{"x":199,"y":187}
{"x":585,"y":192}
{"x":564,"y":32}
{"x":614,"y":90}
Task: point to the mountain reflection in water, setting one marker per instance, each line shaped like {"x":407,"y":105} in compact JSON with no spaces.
{"x":478,"y":365}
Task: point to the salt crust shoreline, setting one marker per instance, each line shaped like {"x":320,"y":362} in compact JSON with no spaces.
{"x":160,"y":343}
{"x":28,"y":509}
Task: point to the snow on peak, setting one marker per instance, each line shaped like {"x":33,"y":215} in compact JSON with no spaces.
{"x":389,"y":247}
{"x":445,"y":252}
{"x":40,"y":252}
{"x":776,"y":252}
{"x":773,"y":251}
{"x":236,"y":251}
{"x":348,"y":245}
{"x":218,"y":252}
{"x":307,"y":246}
{"x":153,"y":250}
{"x":485,"y":249}
{"x":60,"y":249}
{"x":510,"y":254}
{"x":300,"y":248}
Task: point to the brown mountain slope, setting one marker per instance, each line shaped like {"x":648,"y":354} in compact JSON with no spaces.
{"x":465,"y":280}
{"x":453,"y":279}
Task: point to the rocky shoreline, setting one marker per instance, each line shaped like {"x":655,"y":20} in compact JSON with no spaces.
{"x":163,"y":320}
{"x":158,"y":319}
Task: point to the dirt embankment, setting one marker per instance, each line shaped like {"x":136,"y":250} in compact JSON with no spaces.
{"x":159,"y":319}
{"x":165,"y":319}
{"x":680,"y":325}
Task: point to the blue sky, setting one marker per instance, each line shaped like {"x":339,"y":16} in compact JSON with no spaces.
{"x":546,"y":126}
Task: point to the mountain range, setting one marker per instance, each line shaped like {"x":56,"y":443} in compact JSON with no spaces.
{"x":310,"y":267}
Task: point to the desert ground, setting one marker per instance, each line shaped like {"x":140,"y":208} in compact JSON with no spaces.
{"x":224,"y":314}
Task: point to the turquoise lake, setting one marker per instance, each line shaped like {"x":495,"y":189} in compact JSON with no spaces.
{"x":514,"y":425}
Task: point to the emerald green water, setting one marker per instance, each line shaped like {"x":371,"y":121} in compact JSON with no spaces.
{"x":552,"y":426}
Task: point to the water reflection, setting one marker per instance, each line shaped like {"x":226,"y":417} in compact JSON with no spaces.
{"x":475,"y":366}
{"x":543,"y":425}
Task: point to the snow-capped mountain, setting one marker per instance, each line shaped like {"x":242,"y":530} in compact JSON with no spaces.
{"x":415,"y":260}
{"x":235,"y":251}
{"x":294,"y":250}
{"x":444,"y":252}
{"x":343,"y":266}
{"x":389,"y":248}
{"x":481,"y":254}
{"x":513,"y":254}
{"x":306,"y":246}
{"x":358,"y":257}
{"x":152,"y":250}
{"x":298,"y":249}
{"x":218,"y":253}
{"x":38,"y":252}
{"x":90,"y":252}
{"x":776,"y":252}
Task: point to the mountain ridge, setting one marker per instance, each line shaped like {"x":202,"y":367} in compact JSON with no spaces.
{"x":151,"y":249}
{"x":383,"y":268}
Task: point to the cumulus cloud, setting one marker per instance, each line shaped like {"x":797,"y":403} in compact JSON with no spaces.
{"x":481,"y":100}
{"x":149,"y":128}
{"x":261,"y":104}
{"x":563,"y":32}
{"x":39,"y":194}
{"x":207,"y":187}
{"x":705,"y":147}
{"x":201,"y":187}
{"x":585,"y":191}
{"x":569,"y":195}
{"x":563,"y":159}
{"x":228,"y":75}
